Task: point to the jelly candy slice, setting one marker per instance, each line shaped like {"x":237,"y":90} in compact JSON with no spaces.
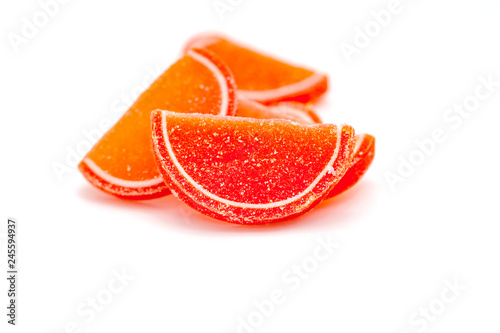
{"x":249,"y":171}
{"x":260,"y":77}
{"x":364,"y":152}
{"x":300,"y":112}
{"x":122,"y":162}
{"x":294,"y":111}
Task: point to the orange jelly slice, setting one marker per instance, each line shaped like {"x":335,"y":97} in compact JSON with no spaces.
{"x":263,"y":78}
{"x":122,"y":162}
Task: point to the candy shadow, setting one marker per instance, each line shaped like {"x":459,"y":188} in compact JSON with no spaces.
{"x":166,"y":211}
{"x":170,"y":212}
{"x":330,"y":214}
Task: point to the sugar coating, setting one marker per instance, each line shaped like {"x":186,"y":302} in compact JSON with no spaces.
{"x":122,"y":162}
{"x":247,"y":170}
{"x":363,"y":156}
{"x":263,"y":78}
{"x":285,"y":110}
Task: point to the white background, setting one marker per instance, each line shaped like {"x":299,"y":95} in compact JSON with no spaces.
{"x":194,"y":274}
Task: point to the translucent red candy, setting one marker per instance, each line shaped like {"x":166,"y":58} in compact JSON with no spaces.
{"x":297,"y":112}
{"x":249,"y":171}
{"x":364,"y":152}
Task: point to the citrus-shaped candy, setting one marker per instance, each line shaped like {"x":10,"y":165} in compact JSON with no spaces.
{"x":122,"y":162}
{"x":294,"y":111}
{"x":249,"y":171}
{"x":261,"y":77}
{"x":364,"y":152}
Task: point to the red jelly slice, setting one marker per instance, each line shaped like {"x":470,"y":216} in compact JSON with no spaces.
{"x":364,"y":152}
{"x":249,"y":171}
{"x":285,"y":110}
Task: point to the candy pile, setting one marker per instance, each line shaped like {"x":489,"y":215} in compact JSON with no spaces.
{"x":232,"y":133}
